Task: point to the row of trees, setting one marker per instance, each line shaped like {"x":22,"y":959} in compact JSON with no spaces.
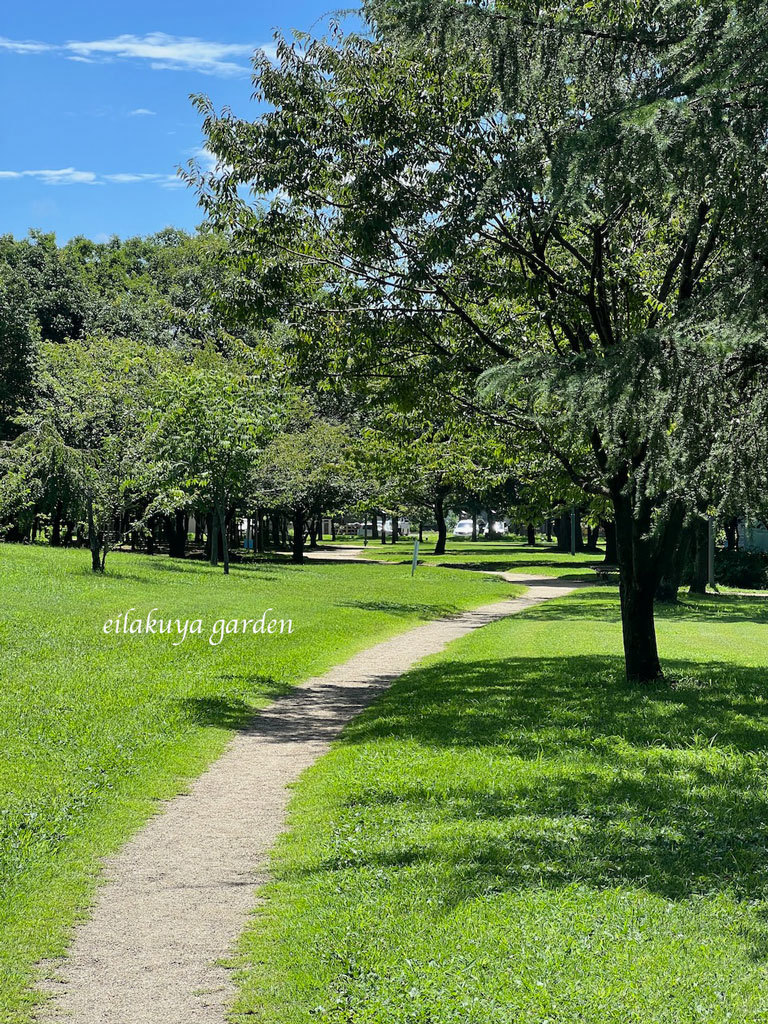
{"x":554,"y":216}
{"x":517,"y":255}
{"x":136,"y":396}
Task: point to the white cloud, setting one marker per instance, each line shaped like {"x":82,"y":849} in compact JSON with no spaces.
{"x":163,"y":52}
{"x":24,"y":46}
{"x":62,"y":176}
{"x":71,"y":176}
{"x":142,"y":112}
{"x":166,"y":52}
{"x":129,"y":179}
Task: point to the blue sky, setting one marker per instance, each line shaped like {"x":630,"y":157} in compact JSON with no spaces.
{"x":97,"y":115}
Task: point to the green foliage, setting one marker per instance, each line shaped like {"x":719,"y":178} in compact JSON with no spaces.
{"x":534,"y":196}
{"x":84,"y":435}
{"x":747,"y":570}
{"x":309,"y":467}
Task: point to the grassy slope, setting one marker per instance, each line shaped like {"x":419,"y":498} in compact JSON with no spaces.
{"x":512,"y":556}
{"x":513,"y":835}
{"x":95,"y":729}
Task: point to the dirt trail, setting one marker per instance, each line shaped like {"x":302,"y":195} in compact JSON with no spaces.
{"x":177,"y":896}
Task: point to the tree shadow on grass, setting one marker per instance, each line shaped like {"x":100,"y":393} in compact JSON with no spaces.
{"x":585,"y":573}
{"x":563,"y":774}
{"x":425,"y":612}
{"x":235,"y":711}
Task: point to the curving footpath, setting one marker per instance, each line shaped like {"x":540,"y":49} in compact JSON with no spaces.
{"x":177,"y":896}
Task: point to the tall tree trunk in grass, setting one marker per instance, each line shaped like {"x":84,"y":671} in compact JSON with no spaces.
{"x":644,"y":549}
{"x":257,"y":541}
{"x":609,"y":529}
{"x":442,"y":529}
{"x":375,"y":526}
{"x":297,"y":554}
{"x":474,"y":526}
{"x":176,"y":533}
{"x":56,"y":525}
{"x":731,"y":527}
{"x":395,"y":514}
{"x":549,"y":530}
{"x":221,"y":516}
{"x":215,"y":530}
{"x":672,"y":578}
{"x":383,"y":531}
{"x":93,"y":540}
{"x":531,"y":535}
{"x":700,"y":545}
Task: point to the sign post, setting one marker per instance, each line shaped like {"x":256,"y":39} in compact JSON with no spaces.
{"x":415,"y":555}
{"x":573,"y":531}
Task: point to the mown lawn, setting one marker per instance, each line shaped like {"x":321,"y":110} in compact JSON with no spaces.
{"x":497,"y":555}
{"x":512,"y":835}
{"x":96,"y":728}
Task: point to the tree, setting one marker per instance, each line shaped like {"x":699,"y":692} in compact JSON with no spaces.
{"x":213,"y":417}
{"x":569,"y":226}
{"x":308,"y":469}
{"x":19,"y":340}
{"x":84,"y":435}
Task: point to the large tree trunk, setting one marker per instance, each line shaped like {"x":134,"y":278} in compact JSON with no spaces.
{"x":642,"y":557}
{"x":641,"y":655}
{"x":94,"y":541}
{"x":531,"y":535}
{"x":442,"y":529}
{"x":563,"y":532}
{"x":312,"y":534}
{"x":383,"y":531}
{"x":672,"y":577}
{"x":700,"y":529}
{"x":176,"y":533}
{"x":395,"y":534}
{"x":297,"y":555}
{"x":474,"y":526}
{"x":611,"y":555}
{"x":374,"y":526}
{"x":56,"y":525}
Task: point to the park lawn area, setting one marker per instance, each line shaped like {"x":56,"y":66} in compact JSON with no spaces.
{"x":496,"y":555}
{"x":96,"y":728}
{"x":513,"y":835}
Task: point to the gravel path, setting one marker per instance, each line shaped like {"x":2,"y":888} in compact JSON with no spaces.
{"x":177,"y":896}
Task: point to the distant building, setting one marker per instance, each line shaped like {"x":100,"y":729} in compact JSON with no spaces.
{"x":753,"y":536}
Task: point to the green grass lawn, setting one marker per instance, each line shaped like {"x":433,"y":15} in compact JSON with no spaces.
{"x":512,"y":835}
{"x":497,"y":555}
{"x":96,"y":728}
